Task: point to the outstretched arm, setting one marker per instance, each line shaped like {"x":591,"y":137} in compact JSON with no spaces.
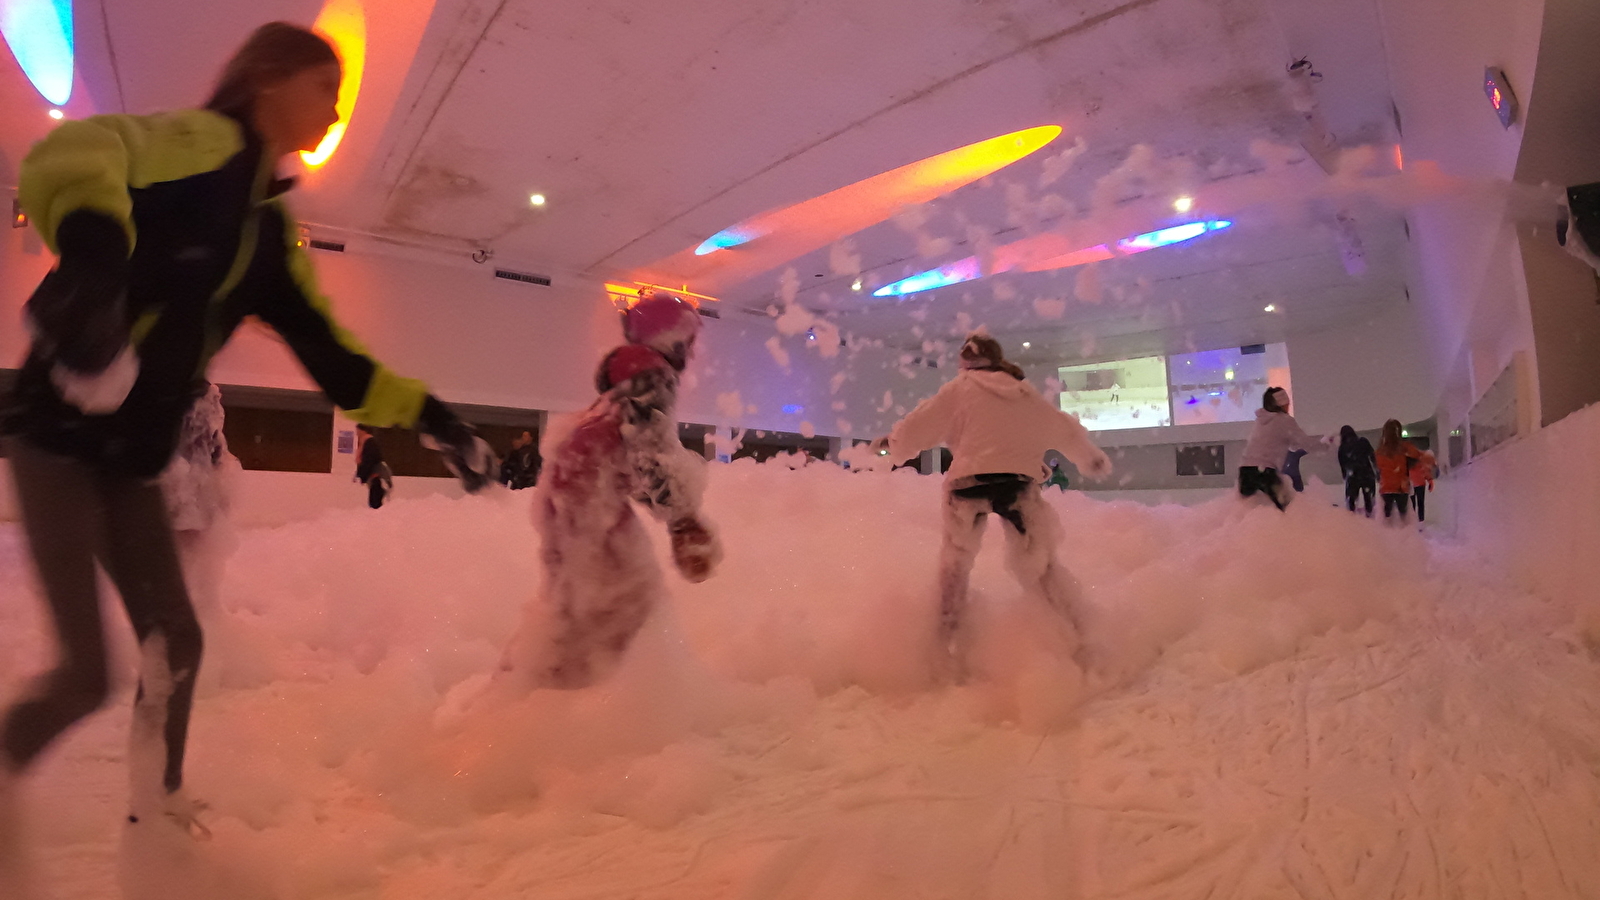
{"x":368,"y":392}
{"x":925,"y":427}
{"x":1072,"y":439}
{"x":1299,"y":440}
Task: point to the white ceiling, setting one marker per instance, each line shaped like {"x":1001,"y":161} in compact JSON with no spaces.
{"x":651,"y":125}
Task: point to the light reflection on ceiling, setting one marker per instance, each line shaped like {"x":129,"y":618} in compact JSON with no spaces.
{"x":1044,"y":253}
{"x":344,"y":24}
{"x":772,"y":238}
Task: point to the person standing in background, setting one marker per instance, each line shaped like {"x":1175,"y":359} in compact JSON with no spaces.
{"x":1291,"y":470}
{"x":1422,"y":482}
{"x":1395,"y":458}
{"x":520,"y":469}
{"x":1359,"y":467}
{"x":371,"y":470}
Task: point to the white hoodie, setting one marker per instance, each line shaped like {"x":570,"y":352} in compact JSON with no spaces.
{"x":1275,"y":434}
{"x":994,"y":423}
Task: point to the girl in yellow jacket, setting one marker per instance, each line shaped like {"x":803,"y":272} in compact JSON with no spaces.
{"x":170,"y":229}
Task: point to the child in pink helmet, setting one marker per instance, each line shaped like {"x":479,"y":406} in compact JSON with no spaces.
{"x":600,"y":577}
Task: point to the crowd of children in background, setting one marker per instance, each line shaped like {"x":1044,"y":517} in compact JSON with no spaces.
{"x":1398,"y":470}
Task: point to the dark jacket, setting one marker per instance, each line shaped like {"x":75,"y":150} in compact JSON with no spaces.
{"x":212,"y":243}
{"x":1358,"y":463}
{"x":370,"y":462}
{"x":520,"y":469}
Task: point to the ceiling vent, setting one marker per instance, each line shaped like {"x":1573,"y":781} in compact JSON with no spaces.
{"x":523,"y":277}
{"x":708,"y":313}
{"x":331,"y":246}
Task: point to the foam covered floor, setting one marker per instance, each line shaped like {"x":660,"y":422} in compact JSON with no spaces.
{"x":1272,"y":705}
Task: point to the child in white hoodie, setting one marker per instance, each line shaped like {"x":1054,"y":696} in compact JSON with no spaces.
{"x":998,"y":428}
{"x":1275,"y":434}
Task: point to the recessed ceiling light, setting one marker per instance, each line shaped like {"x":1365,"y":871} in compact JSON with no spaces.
{"x":1183,"y":204}
{"x":1026,"y":344}
{"x":855,"y":285}
{"x":56,"y":114}
{"x":1269,"y":308}
{"x":536,"y":199}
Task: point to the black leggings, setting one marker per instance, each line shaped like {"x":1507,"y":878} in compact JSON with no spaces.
{"x":1394,"y":501}
{"x":1417,"y":495}
{"x":376,"y":491}
{"x":74,"y":515}
{"x":1266,"y":481}
{"x":1366,"y":490}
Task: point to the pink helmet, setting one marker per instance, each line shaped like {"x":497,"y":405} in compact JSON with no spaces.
{"x":664,"y":323}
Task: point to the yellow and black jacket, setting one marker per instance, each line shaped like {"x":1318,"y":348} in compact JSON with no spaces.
{"x":212,"y":243}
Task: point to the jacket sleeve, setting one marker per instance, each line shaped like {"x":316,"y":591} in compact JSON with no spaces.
{"x":1070,"y":437}
{"x":925,"y":427}
{"x":1298,"y":439}
{"x":368,"y":393}
{"x":90,"y":164}
{"x":668,"y":479}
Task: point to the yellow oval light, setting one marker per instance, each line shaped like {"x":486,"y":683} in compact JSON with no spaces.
{"x":344,"y":24}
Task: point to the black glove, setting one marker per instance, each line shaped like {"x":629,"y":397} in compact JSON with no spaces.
{"x":466,"y":455}
{"x":80,"y":310}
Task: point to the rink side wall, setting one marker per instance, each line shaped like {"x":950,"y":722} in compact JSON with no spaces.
{"x":1532,"y":507}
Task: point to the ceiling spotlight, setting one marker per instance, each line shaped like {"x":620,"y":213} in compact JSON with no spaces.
{"x":1183,"y":204}
{"x":1026,"y":344}
{"x":536,"y":199}
{"x":855,"y":285}
{"x":1269,"y":308}
{"x":56,"y":114}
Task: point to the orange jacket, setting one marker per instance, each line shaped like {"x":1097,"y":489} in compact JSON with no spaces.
{"x":1393,"y":477}
{"x":1422,"y":471}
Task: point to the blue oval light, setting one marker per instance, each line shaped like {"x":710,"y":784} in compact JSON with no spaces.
{"x":39,"y":33}
{"x":722,"y":240}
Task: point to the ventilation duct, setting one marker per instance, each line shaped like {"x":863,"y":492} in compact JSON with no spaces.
{"x":523,"y":277}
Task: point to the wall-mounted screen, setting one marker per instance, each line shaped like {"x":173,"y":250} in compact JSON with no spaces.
{"x":1126,"y":393}
{"x":1225,"y":385}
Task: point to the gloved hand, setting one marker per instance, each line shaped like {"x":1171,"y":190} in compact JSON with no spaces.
{"x":1100,"y":467}
{"x":465,"y":454}
{"x":695,"y":550}
{"x":79,"y":313}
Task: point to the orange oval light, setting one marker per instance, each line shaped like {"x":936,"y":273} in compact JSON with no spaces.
{"x":344,"y":24}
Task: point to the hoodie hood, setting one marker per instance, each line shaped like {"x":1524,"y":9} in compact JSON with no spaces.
{"x":997,"y":382}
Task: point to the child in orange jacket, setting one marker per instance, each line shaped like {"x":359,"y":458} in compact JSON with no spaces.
{"x":1422,"y":481}
{"x":1395,"y":459}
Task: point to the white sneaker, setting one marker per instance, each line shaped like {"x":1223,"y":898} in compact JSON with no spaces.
{"x":176,"y":808}
{"x":164,"y":854}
